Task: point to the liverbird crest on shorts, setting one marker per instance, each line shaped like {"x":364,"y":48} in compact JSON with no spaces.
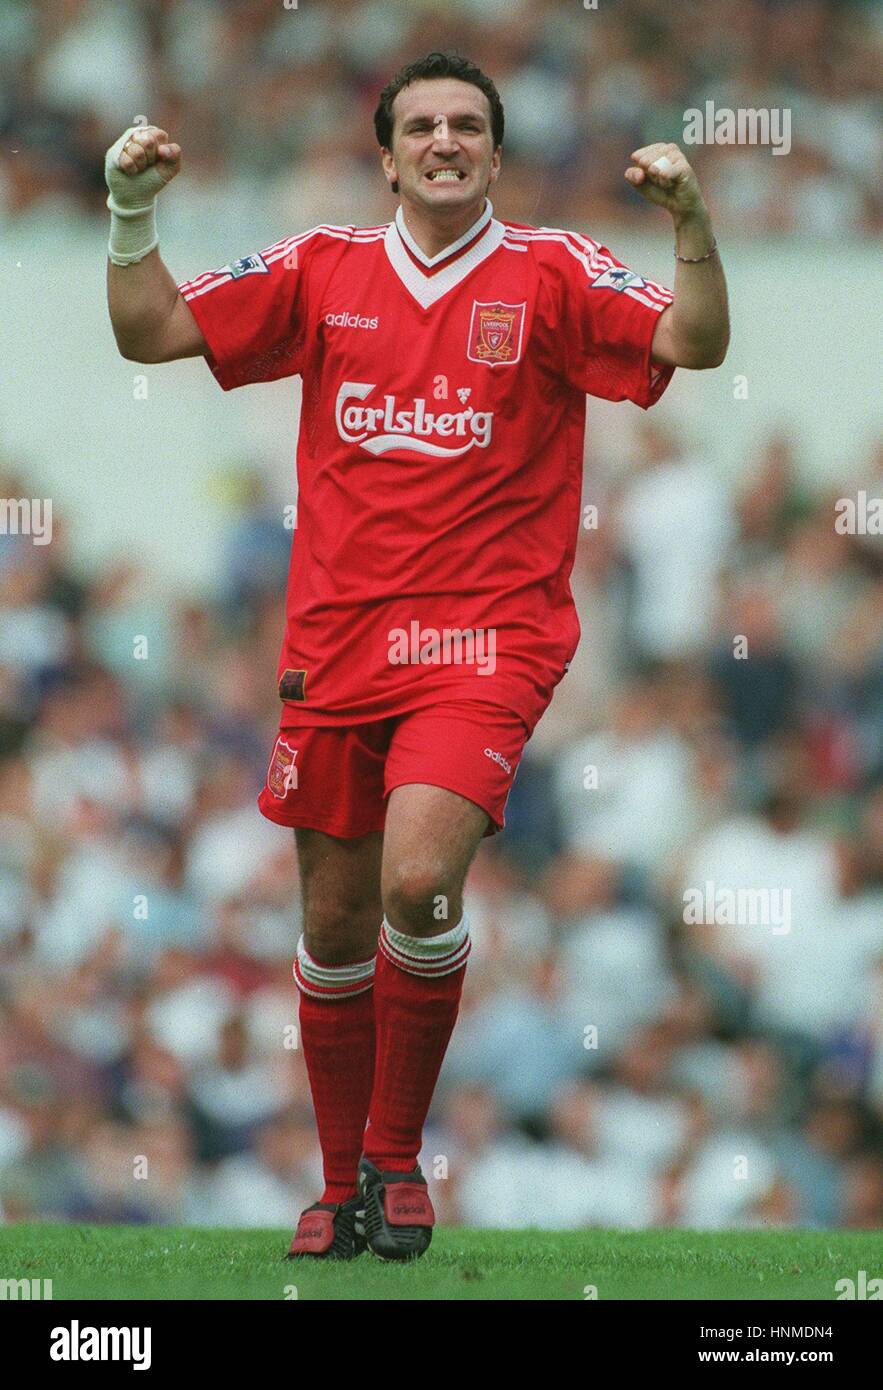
{"x":282,"y":775}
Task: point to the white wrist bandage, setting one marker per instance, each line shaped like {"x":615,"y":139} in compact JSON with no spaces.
{"x":132,"y":233}
{"x":132,"y":204}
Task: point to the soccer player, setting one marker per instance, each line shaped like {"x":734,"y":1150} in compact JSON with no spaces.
{"x":445,"y":359}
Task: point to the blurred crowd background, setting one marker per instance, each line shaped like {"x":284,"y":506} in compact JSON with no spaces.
{"x":280,"y":99}
{"x":613,"y":1065}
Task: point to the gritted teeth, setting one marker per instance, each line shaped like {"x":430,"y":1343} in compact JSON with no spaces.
{"x":445,"y":175}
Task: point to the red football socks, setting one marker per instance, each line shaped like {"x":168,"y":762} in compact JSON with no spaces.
{"x":337,"y":1033}
{"x":417,"y":988}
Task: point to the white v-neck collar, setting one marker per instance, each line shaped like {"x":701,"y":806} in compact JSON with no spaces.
{"x":428,"y":289}
{"x":429,"y":261}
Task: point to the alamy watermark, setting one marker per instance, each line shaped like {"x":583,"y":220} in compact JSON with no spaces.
{"x":738,"y":907}
{"x":27,"y":516}
{"x":859,"y":516}
{"x":76,"y":1343}
{"x":433,"y":646}
{"x":861,"y":1288}
{"x":25,"y":1290}
{"x":746,"y":125}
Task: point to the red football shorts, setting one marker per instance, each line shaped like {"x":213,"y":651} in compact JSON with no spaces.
{"x":337,"y":779}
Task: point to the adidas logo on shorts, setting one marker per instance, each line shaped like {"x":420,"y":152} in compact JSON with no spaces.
{"x":498,"y":758}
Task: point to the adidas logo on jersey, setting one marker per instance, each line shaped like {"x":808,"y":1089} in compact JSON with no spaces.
{"x":350,"y":321}
{"x":383,"y":429}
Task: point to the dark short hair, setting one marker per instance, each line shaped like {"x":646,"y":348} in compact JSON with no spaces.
{"x":437,"y":65}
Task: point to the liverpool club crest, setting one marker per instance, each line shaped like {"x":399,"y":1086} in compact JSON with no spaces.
{"x":495,"y":333}
{"x":282,"y":774}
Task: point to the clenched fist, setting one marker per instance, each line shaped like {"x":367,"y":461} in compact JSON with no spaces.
{"x":138,"y":165}
{"x":661,"y":174}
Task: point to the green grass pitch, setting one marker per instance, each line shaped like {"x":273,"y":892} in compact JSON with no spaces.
{"x":173,"y":1262}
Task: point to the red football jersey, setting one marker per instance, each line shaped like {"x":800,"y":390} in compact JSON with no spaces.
{"x":439,"y":461}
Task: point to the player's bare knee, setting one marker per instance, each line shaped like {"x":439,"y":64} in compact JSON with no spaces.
{"x":420,"y":898}
{"x":336,"y":933}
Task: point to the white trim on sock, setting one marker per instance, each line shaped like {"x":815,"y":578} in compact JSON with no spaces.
{"x":331,"y":981}
{"x":427,"y":955}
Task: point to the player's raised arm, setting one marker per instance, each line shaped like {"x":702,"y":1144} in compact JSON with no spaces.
{"x":694,"y":331}
{"x":151,"y":322}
